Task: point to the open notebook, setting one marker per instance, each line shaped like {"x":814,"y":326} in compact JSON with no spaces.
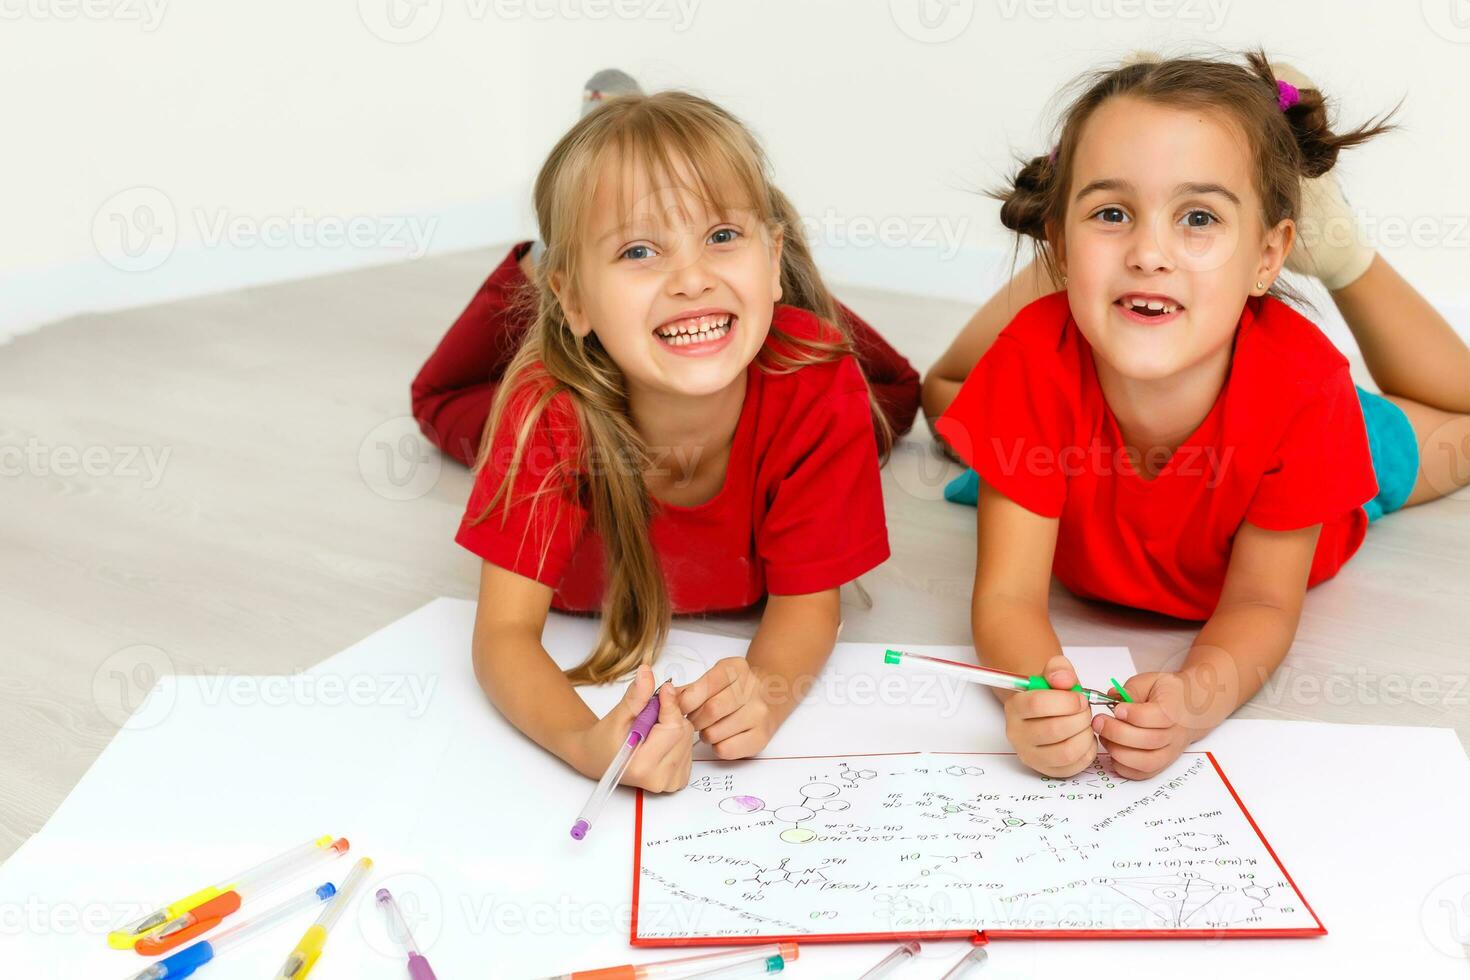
{"x":847,"y":848}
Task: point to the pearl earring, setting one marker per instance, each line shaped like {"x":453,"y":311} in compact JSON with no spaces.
{"x":1260,"y":285}
{"x":1064,"y":280}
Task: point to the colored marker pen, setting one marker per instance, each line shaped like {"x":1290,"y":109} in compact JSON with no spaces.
{"x":990,"y":677}
{"x":616,"y":768}
{"x":974,"y":959}
{"x":309,"y":948}
{"x":750,"y":968}
{"x":290,"y":862}
{"x":689,"y":966}
{"x":890,"y":962}
{"x":191,"y":958}
{"x":257,"y":881}
{"x":418,"y":967}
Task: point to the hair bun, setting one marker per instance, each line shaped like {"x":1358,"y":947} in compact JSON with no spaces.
{"x":1317,"y":145}
{"x":1024,"y":204}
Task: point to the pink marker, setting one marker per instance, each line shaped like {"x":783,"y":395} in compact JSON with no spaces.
{"x":615,"y":770}
{"x":418,"y":967}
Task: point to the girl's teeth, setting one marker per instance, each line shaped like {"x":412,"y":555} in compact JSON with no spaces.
{"x":1153,"y":305}
{"x":705,"y":328}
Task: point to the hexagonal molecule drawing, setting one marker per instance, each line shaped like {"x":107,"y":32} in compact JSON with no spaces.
{"x":815,"y":797}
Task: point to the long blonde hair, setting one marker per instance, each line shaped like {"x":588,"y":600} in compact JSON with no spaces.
{"x":652,"y":133}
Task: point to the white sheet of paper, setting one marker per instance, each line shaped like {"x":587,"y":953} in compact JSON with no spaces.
{"x":468,"y":822}
{"x":924,"y":842}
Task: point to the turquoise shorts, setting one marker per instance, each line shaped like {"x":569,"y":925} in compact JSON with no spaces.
{"x":1395,"y":452}
{"x":1391,"y":442}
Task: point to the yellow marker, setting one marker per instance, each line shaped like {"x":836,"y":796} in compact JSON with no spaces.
{"x":276,"y":868}
{"x":309,"y":949}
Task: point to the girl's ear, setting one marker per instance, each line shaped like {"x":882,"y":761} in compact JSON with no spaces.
{"x":577,"y":319}
{"x":1274,"y":249}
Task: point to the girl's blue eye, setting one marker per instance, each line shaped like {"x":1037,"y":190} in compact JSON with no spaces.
{"x":1118,"y":212}
{"x":628,"y":252}
{"x":1191,"y":216}
{"x":731,"y":234}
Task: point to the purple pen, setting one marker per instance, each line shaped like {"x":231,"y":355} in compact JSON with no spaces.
{"x":609,"y":780}
{"x":418,"y":967}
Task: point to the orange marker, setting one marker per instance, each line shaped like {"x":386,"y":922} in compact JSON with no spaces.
{"x":686,"y":966}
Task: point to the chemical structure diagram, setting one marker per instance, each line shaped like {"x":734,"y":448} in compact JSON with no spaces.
{"x":1095,"y":777}
{"x":963,"y":771}
{"x":852,"y":778}
{"x":815,"y":797}
{"x":1063,"y":850}
{"x":942,"y":862}
{"x":994,"y":820}
{"x":1007,"y":821}
{"x":781,"y":875}
{"x":713,"y":784}
{"x":1174,"y":899}
{"x":1260,"y":896}
{"x":1192,"y":841}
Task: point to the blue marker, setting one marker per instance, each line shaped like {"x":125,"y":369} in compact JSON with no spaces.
{"x":191,"y":958}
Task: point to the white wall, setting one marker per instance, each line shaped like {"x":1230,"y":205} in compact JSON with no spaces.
{"x":157,"y":149}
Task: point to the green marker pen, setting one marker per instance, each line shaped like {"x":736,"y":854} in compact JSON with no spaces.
{"x":989,"y":676}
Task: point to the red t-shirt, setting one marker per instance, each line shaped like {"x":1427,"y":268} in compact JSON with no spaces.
{"x":801,"y":509}
{"x":1283,"y":447}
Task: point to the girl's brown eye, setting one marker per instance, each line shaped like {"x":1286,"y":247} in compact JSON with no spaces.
{"x":1111,"y":216}
{"x":1192,"y":219}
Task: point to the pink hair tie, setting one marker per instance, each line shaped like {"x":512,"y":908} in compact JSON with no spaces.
{"x":1286,"y":95}
{"x":1053,"y":155}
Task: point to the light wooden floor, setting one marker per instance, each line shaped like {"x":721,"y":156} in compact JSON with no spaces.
{"x":278,"y":533}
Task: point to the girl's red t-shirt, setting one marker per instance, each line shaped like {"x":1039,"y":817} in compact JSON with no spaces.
{"x":801,"y":509}
{"x":1283,"y":447}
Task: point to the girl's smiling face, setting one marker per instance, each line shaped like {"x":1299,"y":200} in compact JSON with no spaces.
{"x":1163,"y":239}
{"x":678,"y":290}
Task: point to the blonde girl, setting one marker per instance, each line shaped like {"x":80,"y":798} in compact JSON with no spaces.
{"x":684,"y":429}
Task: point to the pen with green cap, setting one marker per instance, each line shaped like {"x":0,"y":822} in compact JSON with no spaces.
{"x":1003,"y":679}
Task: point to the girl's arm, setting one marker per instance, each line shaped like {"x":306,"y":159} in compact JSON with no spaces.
{"x":1009,"y":616}
{"x":1009,"y":605}
{"x":1239,"y":647}
{"x":740,"y":702}
{"x":943,"y":380}
{"x":529,"y":689}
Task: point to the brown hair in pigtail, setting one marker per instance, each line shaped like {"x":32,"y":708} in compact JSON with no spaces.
{"x":1026,"y":207}
{"x":1289,"y":131}
{"x":1307,"y":114}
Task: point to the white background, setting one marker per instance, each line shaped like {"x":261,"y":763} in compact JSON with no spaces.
{"x":235,"y":137}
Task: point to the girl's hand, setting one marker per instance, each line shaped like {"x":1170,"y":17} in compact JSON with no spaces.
{"x":728,"y":708}
{"x":661,"y":763}
{"x":1143,"y":738}
{"x":1052,"y":730}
